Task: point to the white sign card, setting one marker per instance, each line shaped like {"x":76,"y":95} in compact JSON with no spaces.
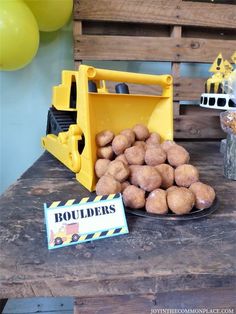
{"x":80,"y":220}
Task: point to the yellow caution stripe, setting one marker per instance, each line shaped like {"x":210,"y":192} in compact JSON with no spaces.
{"x":99,"y":234}
{"x":83,"y":200}
{"x":54,"y":205}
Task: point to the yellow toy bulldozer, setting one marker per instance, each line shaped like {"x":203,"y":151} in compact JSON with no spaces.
{"x":82,"y":106}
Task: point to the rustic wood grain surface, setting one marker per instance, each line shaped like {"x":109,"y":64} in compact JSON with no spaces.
{"x":150,"y":48}
{"x":173,"y":12}
{"x":155,"y":257}
{"x":149,"y":303}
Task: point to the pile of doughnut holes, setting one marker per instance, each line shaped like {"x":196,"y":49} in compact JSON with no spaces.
{"x":150,"y":174}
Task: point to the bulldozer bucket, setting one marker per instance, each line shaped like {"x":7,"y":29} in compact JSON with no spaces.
{"x":102,"y":110}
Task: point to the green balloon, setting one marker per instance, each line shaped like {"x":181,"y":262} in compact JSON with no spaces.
{"x":19,"y":35}
{"x":50,"y":14}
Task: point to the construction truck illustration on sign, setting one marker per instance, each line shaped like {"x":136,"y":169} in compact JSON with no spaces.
{"x":82,"y":106}
{"x":67,"y":233}
{"x":220,"y":89}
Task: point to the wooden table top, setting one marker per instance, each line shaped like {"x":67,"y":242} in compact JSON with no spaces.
{"x":156,"y":256}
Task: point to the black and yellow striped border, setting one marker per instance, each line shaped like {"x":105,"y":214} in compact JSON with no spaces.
{"x":94,"y":236}
{"x":100,"y":234}
{"x":84,"y":200}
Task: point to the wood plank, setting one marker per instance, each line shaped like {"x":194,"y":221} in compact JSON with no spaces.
{"x":176,"y":32}
{"x":148,"y":303}
{"x":91,"y":47}
{"x":77,"y":31}
{"x":158,"y":12}
{"x":130,"y":304}
{"x":113,"y":287}
{"x":193,"y":126}
{"x":187,"y":88}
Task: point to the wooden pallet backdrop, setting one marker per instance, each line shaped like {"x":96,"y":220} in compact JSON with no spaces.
{"x":161,"y":30}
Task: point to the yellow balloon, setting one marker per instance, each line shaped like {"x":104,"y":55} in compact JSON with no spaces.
{"x":19,"y":35}
{"x":50,"y":14}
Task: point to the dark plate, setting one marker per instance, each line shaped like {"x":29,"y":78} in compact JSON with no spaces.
{"x":194,"y":214}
